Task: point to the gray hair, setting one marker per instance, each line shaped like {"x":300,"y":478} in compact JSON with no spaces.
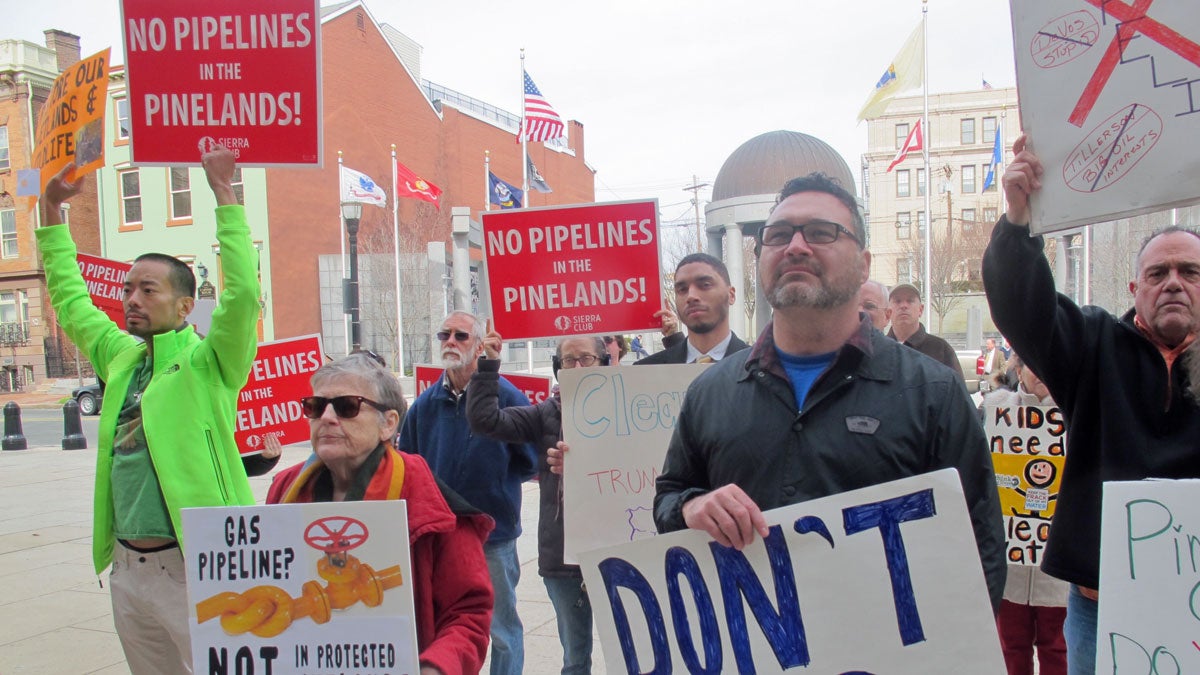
{"x":385,"y":388}
{"x":477,"y":326}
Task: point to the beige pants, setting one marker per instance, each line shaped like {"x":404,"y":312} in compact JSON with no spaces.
{"x":150,"y":610}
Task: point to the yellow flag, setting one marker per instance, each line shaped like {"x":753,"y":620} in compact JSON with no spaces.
{"x":903,"y":74}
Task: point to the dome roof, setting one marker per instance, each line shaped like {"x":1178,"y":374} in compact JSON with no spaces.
{"x":764,"y":163}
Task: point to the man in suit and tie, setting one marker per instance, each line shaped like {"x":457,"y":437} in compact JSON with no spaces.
{"x":703,"y":296}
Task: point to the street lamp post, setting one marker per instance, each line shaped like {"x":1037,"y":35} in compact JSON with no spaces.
{"x":351,"y":213}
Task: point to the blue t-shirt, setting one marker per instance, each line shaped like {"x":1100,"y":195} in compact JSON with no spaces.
{"x":803,"y":371}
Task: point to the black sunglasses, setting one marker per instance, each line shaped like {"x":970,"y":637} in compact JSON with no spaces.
{"x":345,"y":407}
{"x":459,"y":335}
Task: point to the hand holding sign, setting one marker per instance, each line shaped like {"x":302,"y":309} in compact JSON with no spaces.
{"x":1022,"y":178}
{"x":492,"y":342}
{"x":728,"y":515}
{"x":670,"y":322}
{"x":60,"y":190}
{"x":555,"y":457}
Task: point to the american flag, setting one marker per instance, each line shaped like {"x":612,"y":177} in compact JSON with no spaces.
{"x":541,"y":122}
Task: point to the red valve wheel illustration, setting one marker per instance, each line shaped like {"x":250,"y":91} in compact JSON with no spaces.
{"x":336,"y":534}
{"x":267,"y":611}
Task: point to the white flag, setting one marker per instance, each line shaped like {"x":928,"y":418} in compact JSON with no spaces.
{"x":358,"y":187}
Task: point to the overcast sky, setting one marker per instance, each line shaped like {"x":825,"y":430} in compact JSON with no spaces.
{"x":664,"y":88}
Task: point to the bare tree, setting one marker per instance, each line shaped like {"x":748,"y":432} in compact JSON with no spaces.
{"x":377,"y":280}
{"x":956,"y":262}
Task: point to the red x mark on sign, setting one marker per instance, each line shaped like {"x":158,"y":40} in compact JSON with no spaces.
{"x":1133,"y":20}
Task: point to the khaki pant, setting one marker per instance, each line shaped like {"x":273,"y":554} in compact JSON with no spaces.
{"x":150,"y":610}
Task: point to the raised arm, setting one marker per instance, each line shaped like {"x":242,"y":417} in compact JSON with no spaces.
{"x":59,"y":191}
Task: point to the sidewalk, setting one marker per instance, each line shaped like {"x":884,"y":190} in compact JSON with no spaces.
{"x":56,"y":619}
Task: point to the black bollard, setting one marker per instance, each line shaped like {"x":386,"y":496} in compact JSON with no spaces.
{"x":73,"y":438}
{"x":14,"y":438}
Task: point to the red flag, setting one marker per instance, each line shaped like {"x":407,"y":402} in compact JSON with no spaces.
{"x":915,"y":141}
{"x":409,"y":184}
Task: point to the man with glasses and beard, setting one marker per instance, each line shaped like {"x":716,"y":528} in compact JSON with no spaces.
{"x":487,"y":473}
{"x":703,"y":295}
{"x":822,"y":403}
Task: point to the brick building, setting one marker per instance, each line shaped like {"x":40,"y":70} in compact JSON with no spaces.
{"x":374,"y":98}
{"x":32,"y":345}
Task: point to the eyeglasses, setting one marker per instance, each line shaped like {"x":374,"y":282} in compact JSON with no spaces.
{"x":460,"y":336}
{"x":815,"y":232}
{"x":587,"y":360}
{"x":345,"y":407}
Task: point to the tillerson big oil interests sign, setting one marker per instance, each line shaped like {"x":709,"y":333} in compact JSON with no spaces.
{"x":242,"y":73}
{"x":590,"y":268}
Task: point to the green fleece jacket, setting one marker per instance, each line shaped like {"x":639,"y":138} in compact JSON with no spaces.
{"x":189,"y":406}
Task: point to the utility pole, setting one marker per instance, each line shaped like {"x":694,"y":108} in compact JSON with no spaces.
{"x":694,"y":188}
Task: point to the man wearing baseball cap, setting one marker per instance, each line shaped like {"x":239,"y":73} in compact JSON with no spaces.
{"x":905,"y":301}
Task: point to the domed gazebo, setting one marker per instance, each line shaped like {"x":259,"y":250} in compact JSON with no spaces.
{"x":744,"y":193}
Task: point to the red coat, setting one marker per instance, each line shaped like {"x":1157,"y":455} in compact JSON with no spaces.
{"x":452,"y":592}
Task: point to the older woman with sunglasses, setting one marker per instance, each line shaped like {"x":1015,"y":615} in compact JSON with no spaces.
{"x":353,"y":414}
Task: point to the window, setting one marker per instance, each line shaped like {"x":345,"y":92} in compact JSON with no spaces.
{"x":902,"y":183}
{"x":990,"y":214}
{"x":920,"y":182}
{"x":989,"y":130}
{"x":901,"y":134}
{"x":967,"y":131}
{"x":8,"y":233}
{"x":14,"y":310}
{"x":904,"y":271}
{"x":4,"y":163}
{"x":238,"y":188}
{"x":968,"y":219}
{"x":921,"y":224}
{"x":181,"y":194}
{"x":968,"y":179}
{"x":983,"y":171}
{"x":131,"y":197}
{"x":122,"y":106}
{"x":904,"y":225}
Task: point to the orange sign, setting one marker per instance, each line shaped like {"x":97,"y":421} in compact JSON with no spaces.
{"x":70,"y":127}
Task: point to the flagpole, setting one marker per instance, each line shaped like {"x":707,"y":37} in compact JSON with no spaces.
{"x":926,"y":283}
{"x":525,"y":179}
{"x":342,"y":245}
{"x":524,"y":137}
{"x":396,"y":247}
{"x":487,"y":180}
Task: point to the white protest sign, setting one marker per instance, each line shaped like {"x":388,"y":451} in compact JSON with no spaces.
{"x":886,"y":579}
{"x":1108,"y":94}
{"x":618,"y":422}
{"x":301,"y":588}
{"x":1149,"y":578}
{"x":1029,"y":446}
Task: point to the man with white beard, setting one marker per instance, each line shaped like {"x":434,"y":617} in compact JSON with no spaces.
{"x":486,"y":473}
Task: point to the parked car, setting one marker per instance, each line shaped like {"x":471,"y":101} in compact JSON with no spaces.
{"x":89,"y":397}
{"x":966,"y":360}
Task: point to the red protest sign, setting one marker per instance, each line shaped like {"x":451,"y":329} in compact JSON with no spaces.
{"x":242,"y":73}
{"x":105,"y":281}
{"x":591,"y":268}
{"x":270,"y":401}
{"x":535,"y":387}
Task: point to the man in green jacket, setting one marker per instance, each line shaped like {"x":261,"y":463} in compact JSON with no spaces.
{"x":166,"y":433}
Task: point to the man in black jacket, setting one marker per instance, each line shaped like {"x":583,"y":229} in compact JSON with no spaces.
{"x":823,"y":403}
{"x":703,"y":296}
{"x":1120,"y":382}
